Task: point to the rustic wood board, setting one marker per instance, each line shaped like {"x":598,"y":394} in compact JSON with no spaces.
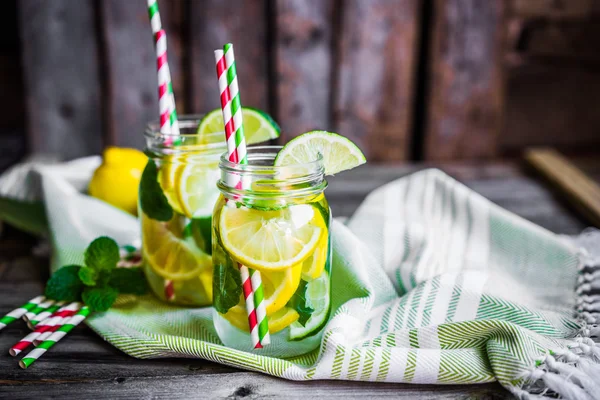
{"x":304,"y":70}
{"x":214,"y":23}
{"x":376,"y":75}
{"x":464,"y":107}
{"x":554,"y":9}
{"x":550,"y":104}
{"x":84,"y":366}
{"x":61,"y":76}
{"x":130,"y":63}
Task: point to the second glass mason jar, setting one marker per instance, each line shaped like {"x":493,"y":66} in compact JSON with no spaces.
{"x":177,"y":252}
{"x":278,"y":225}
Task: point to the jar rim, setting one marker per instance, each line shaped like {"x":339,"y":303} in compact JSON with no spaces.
{"x":216,"y":140}
{"x":271,"y":151}
{"x":287,"y":181}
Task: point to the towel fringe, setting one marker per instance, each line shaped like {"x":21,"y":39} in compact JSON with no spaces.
{"x":569,"y":373}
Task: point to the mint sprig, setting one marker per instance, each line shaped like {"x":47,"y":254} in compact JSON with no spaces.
{"x":298,"y":303}
{"x":226,"y":281}
{"x":153,"y":201}
{"x":99,"y":282}
{"x":102,"y":253}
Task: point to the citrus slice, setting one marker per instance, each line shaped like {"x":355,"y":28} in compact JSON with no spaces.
{"x":281,"y":319}
{"x":166,"y":179}
{"x":169,"y":256}
{"x":317,"y":297}
{"x":339,"y":153}
{"x":258,"y":126}
{"x":314,"y":264}
{"x":196,"y":189}
{"x":270,"y":240}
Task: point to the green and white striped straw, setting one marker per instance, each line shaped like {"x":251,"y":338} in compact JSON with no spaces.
{"x":19,"y":312}
{"x":45,"y":314}
{"x":54,"y":338}
{"x":37,"y":309}
{"x":242,"y":158}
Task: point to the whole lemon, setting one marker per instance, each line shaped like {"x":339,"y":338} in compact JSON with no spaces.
{"x":117,"y":179}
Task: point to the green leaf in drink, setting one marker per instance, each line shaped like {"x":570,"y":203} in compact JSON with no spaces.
{"x":298,"y":303}
{"x":227,"y":283}
{"x":152,"y":199}
{"x":129,"y":281}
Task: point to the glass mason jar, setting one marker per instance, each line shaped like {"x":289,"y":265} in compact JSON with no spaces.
{"x":177,"y":252}
{"x":277,"y":225}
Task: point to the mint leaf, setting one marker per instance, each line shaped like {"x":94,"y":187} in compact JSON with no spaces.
{"x":227,"y":282}
{"x":298,"y":303}
{"x":102,"y":254}
{"x":200,"y":229}
{"x":152,"y":200}
{"x":88,"y":276}
{"x":129,"y":281}
{"x":65,"y":284}
{"x":99,"y":298}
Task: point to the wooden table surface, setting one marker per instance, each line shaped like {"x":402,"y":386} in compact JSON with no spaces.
{"x":84,"y":366}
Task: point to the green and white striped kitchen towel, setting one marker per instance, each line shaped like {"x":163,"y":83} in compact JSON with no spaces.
{"x":432,"y":283}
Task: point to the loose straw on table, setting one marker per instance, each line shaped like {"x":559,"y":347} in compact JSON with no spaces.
{"x":45,"y":314}
{"x":29,"y":315}
{"x":236,"y":149}
{"x":20,"y":312}
{"x":56,"y":321}
{"x":54,"y":338}
{"x":166,"y":98}
{"x":46,"y":326}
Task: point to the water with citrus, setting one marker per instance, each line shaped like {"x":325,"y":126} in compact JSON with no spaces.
{"x":177,"y":250}
{"x":280,"y":227}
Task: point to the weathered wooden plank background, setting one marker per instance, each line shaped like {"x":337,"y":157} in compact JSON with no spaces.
{"x":405,"y":79}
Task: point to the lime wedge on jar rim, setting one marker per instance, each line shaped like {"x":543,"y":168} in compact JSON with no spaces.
{"x":339,"y":153}
{"x":258,"y":125}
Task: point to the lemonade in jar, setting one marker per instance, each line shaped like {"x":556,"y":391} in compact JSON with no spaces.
{"x":277,"y":223}
{"x":176,"y":199}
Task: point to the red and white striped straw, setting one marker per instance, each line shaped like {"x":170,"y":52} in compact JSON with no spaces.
{"x":232,"y":181}
{"x":166,"y":99}
{"x":45,"y":314}
{"x":48,"y":325}
{"x":236,"y":150}
{"x":57,"y":321}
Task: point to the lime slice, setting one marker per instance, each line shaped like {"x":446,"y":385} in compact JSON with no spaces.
{"x":258,"y":126}
{"x":339,"y":154}
{"x":270,"y":240}
{"x":317,"y":298}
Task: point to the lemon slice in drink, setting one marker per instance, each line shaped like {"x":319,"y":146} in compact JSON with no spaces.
{"x":166,"y":179}
{"x":313,"y":265}
{"x":281,"y":319}
{"x":339,"y":154}
{"x":317,"y":297}
{"x":278,"y":289}
{"x":169,"y":256}
{"x":258,"y":126}
{"x":196,"y":188}
{"x":270,"y":240}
